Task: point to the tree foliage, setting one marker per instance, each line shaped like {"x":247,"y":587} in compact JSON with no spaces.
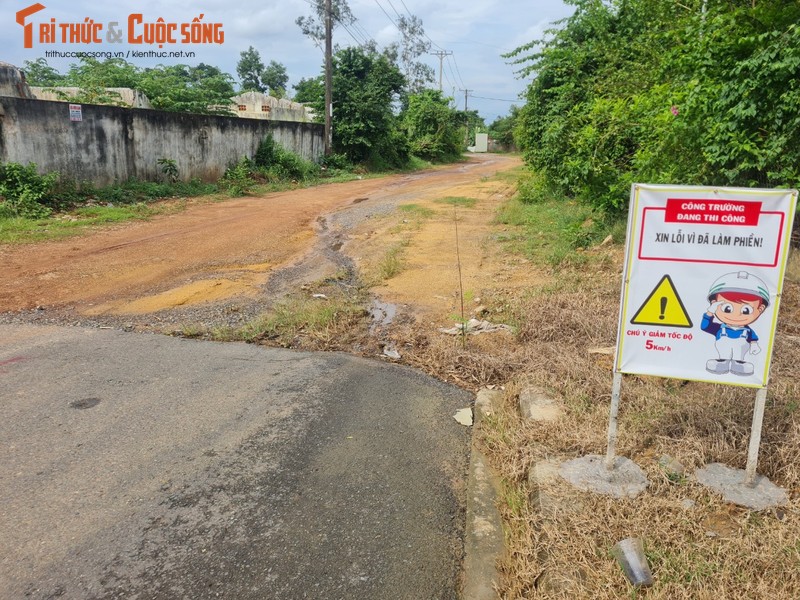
{"x":502,"y":128}
{"x":407,"y":52}
{"x":365,"y":85}
{"x":432,"y":127}
{"x":249,"y":69}
{"x":199,"y":89}
{"x":313,"y":25}
{"x":311,"y":91}
{"x":665,"y":92}
{"x":275,"y":78}
{"x":256,"y":77}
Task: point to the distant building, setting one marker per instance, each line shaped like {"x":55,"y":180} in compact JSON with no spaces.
{"x":120,"y":96}
{"x":257,"y":105}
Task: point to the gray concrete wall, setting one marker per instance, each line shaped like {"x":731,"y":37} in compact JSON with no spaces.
{"x":256,"y":105}
{"x":119,"y":96}
{"x":12,"y":82}
{"x":112,"y":144}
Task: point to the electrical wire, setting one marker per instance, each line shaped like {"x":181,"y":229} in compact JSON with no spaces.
{"x":495,"y":99}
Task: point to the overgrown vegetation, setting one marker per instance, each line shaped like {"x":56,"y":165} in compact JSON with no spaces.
{"x":555,"y":232}
{"x":26,"y":193}
{"x":180,"y":88}
{"x":325,"y":323}
{"x":691,"y":92}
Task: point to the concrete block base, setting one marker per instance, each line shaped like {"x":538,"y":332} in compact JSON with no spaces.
{"x":729,"y":482}
{"x":589,"y":473}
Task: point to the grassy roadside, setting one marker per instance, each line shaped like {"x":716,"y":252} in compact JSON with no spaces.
{"x":560,"y":540}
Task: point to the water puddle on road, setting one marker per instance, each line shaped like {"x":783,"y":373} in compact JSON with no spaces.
{"x":382,"y":313}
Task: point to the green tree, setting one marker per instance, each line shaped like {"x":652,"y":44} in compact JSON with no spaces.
{"x":90,"y":72}
{"x":200,"y":89}
{"x":693,"y":92}
{"x":412,"y":45}
{"x":274,"y":77}
{"x":365,"y":86}
{"x":433,"y":128}
{"x":94,"y":76}
{"x":312,"y":92}
{"x":502,"y":128}
{"x":39,"y":73}
{"x":250,"y":69}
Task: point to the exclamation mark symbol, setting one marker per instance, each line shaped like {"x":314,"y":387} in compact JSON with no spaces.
{"x":663,"y":307}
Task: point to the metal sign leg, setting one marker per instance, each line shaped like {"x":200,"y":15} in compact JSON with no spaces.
{"x":755,"y":438}
{"x":612,"y":421}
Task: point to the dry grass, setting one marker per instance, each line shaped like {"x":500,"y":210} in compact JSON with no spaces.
{"x":711,"y":550}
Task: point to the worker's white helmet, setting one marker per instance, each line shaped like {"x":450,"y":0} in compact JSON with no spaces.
{"x":741,"y":282}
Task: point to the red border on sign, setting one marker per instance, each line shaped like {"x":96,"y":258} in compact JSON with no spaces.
{"x":711,"y":262}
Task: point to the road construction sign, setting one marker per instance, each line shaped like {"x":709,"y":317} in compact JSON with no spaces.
{"x":702,"y":281}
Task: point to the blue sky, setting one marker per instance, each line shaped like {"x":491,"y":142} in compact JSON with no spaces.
{"x":476,"y":32}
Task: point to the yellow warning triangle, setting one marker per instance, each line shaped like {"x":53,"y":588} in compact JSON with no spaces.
{"x":663,"y":307}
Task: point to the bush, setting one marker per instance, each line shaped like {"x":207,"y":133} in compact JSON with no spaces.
{"x":336,"y":161}
{"x":237,"y":179}
{"x":26,"y":193}
{"x":277,"y":163}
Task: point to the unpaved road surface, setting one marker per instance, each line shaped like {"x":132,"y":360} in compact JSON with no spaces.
{"x":145,"y":466}
{"x":207,"y":253}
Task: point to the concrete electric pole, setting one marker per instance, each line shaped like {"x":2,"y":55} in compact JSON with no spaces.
{"x":441,"y":54}
{"x":328,"y":78}
{"x":466,"y":116}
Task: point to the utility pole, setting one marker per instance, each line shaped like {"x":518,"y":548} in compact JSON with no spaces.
{"x":466,"y":116}
{"x":328,"y":78}
{"x":441,"y":54}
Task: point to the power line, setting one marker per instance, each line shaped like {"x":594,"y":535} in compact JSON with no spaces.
{"x":496,"y":99}
{"x":388,"y":16}
{"x":364,"y":41}
{"x":441,"y":54}
{"x":461,"y":79}
{"x":394,"y":9}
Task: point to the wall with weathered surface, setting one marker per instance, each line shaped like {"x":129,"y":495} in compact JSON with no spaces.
{"x":256,"y":105}
{"x":119,"y":96}
{"x":12,"y":82}
{"x":112,"y":144}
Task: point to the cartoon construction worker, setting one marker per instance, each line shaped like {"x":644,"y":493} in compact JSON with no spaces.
{"x":735,"y":301}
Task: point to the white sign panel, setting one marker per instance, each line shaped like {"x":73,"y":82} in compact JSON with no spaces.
{"x":702,"y":282}
{"x":75,"y":112}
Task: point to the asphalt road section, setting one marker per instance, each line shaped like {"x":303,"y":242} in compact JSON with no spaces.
{"x":143,"y":466}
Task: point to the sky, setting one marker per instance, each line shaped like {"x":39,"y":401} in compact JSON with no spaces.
{"x":477,"y":32}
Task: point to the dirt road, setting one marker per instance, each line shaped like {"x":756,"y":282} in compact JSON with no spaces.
{"x":208,"y":252}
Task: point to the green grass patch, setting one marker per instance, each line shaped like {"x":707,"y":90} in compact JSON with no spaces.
{"x":416,"y":211}
{"x":555,"y":231}
{"x":392,"y":263}
{"x":20,"y":231}
{"x":462,"y":201}
{"x":324,"y":320}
